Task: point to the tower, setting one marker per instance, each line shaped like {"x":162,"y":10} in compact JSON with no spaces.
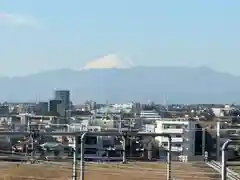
{"x":64,"y":105}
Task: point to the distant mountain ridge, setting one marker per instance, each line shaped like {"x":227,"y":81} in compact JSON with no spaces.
{"x":179,"y":84}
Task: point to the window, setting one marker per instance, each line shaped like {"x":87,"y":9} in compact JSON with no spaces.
{"x":172,"y":126}
{"x":166,"y":126}
{"x":178,"y":136}
{"x":178,"y":126}
{"x":91,"y":151}
{"x":165,"y":144}
{"x":91,"y":140}
{"x":106,"y":145}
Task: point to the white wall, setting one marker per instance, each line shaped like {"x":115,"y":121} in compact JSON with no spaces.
{"x":183,"y":135}
{"x":218,"y":112}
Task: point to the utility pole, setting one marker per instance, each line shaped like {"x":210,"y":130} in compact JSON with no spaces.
{"x":218,"y":141}
{"x":75,"y":150}
{"x":150,"y":149}
{"x":131,"y":138}
{"x":203,"y":141}
{"x":31,"y":138}
{"x":28,"y":130}
{"x":120,"y":124}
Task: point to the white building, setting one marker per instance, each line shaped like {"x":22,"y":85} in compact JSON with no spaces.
{"x":149,"y":117}
{"x":150,"y":128}
{"x":182,"y":131}
{"x":218,"y":112}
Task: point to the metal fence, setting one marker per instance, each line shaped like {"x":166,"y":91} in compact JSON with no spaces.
{"x":76,"y":163}
{"x":83,"y":136}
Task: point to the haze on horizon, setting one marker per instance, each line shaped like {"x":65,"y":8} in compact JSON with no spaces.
{"x":44,"y":35}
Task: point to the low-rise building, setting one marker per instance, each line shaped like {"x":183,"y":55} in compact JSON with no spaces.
{"x":149,"y":116}
{"x":182,"y":131}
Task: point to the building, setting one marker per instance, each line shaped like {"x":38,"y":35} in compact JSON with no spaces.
{"x":149,"y":116}
{"x":25,"y":107}
{"x":53,"y":106}
{"x":4,"y":110}
{"x":95,"y":146}
{"x":90,"y":105}
{"x":42,"y":108}
{"x":64,"y":97}
{"x":182,"y":131}
{"x":136,"y":108}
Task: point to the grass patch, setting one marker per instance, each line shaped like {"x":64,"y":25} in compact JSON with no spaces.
{"x":34,"y":172}
{"x":129,"y":171}
{"x":130,"y":165}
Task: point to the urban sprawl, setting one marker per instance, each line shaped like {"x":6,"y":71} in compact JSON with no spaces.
{"x":197,"y":131}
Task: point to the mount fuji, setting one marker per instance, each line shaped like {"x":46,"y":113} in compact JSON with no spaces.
{"x":118,"y":79}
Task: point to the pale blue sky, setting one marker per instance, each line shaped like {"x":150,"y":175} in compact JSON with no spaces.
{"x":51,"y":34}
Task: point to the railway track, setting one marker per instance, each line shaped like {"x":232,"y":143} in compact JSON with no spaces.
{"x":231,"y":175}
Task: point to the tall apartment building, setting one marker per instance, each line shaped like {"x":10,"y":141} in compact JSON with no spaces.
{"x":182,"y":131}
{"x":64,"y":97}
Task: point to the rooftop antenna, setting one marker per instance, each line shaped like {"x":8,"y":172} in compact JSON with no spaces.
{"x":165,"y":102}
{"x":107,"y":109}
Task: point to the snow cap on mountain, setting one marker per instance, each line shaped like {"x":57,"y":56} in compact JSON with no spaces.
{"x":109,"y":61}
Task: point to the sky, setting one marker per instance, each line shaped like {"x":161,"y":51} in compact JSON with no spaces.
{"x":52,"y":34}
